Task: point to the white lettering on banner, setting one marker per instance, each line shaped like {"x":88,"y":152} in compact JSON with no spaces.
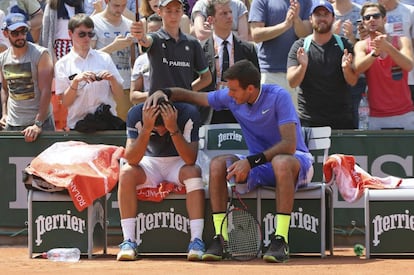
{"x":156,"y":220}
{"x":406,"y":163}
{"x":66,"y":221}
{"x":383,"y":224}
{"x":228,"y":136}
{"x":297,"y":220}
{"x":77,"y":195}
{"x":21,"y":192}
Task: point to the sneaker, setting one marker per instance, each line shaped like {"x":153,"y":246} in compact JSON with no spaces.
{"x":128,"y":251}
{"x":196,"y":249}
{"x":278,"y":251}
{"x":215,"y":251}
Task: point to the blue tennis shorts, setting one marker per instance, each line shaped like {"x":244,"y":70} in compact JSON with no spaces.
{"x":263,"y":175}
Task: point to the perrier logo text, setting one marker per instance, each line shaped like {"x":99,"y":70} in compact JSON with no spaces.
{"x":222,"y":137}
{"x":383,"y":224}
{"x":58,"y":222}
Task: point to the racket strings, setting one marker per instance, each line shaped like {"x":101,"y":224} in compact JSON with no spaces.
{"x":244,"y":235}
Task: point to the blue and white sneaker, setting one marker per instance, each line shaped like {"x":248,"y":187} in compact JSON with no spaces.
{"x":196,"y":249}
{"x":128,"y":251}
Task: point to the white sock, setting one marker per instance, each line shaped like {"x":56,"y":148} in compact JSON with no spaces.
{"x":128,"y":228}
{"x":196,"y":228}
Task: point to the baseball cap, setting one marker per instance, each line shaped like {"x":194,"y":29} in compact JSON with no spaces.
{"x":164,"y":3}
{"x":322,"y":3}
{"x":13,"y":21}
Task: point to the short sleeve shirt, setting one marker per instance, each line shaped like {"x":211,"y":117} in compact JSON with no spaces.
{"x":271,"y":13}
{"x":173,"y":63}
{"x":28,"y":6}
{"x":324,"y":94}
{"x":162,"y":146}
{"x":260,"y":121}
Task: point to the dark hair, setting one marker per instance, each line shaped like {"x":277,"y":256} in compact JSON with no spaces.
{"x":211,"y":6}
{"x":367,"y":5}
{"x":80,"y":19}
{"x":154,"y":18}
{"x":161,"y":101}
{"x":245,"y":72}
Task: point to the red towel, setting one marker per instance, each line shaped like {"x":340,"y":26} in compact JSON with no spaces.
{"x":87,"y":171}
{"x":352,"y":179}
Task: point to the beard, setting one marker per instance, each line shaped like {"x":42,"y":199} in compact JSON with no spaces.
{"x":20,"y":43}
{"x":322,"y":28}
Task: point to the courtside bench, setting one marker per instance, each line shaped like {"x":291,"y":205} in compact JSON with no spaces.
{"x":389,"y":221}
{"x":53,"y":221}
{"x":163,"y":228}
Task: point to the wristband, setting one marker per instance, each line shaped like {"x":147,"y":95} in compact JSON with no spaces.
{"x":167,"y":92}
{"x":256,"y":160}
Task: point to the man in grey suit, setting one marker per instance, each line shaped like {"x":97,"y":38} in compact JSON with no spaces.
{"x":220,"y":17}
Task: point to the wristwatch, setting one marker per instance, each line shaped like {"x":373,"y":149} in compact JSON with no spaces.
{"x":38,"y":123}
{"x":373,"y":54}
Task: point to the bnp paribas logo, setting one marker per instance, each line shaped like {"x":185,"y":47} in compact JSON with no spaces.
{"x":66,"y":221}
{"x":383,"y":224}
{"x":229,"y":136}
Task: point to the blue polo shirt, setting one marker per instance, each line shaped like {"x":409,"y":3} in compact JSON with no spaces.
{"x":260,"y":121}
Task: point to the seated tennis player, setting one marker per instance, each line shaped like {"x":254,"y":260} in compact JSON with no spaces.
{"x":278,"y":155}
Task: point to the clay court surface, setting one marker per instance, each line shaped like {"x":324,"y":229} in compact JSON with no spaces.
{"x":15,"y":260}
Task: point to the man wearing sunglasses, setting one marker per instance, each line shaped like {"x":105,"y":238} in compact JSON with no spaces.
{"x":27,"y":71}
{"x":400,"y":22}
{"x":85,"y":77}
{"x":386,"y":60}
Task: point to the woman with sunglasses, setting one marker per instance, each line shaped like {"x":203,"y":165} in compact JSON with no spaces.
{"x":86,"y":78}
{"x":386,"y":60}
{"x":27,"y":71}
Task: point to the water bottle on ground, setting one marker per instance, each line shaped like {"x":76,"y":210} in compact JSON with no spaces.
{"x":363,"y":112}
{"x":70,"y":255}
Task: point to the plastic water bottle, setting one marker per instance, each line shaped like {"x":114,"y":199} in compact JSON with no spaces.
{"x":363,"y":113}
{"x":70,"y":255}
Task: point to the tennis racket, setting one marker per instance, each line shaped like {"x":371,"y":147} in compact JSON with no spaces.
{"x":244,"y":232}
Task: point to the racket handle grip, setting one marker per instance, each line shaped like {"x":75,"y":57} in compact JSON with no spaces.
{"x":232,"y":181}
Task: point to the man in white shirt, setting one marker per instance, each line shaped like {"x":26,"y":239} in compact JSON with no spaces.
{"x":86,"y":78}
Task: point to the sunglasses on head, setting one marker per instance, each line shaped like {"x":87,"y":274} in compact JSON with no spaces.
{"x":16,"y":33}
{"x":83,"y":34}
{"x":368,"y":16}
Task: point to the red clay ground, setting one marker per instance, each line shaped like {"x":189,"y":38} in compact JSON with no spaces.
{"x":15,"y":260}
